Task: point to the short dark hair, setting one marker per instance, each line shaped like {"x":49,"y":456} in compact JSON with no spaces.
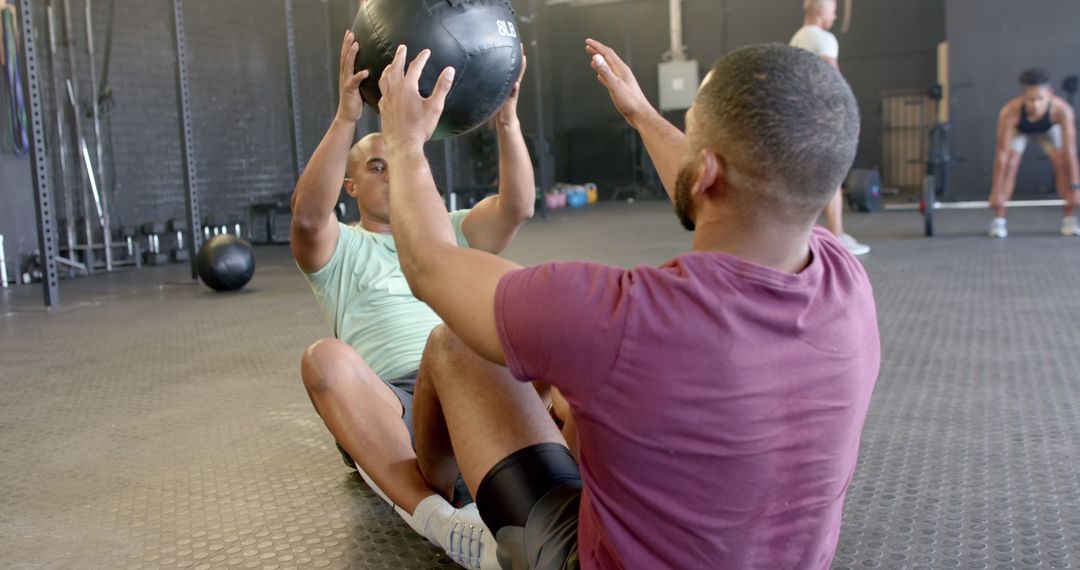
{"x":1035,"y":77}
{"x":787,"y":121}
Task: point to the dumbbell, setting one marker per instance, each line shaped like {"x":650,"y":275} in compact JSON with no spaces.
{"x":210,"y":228}
{"x":178,"y":228}
{"x":128,"y":235}
{"x":217,"y":227}
{"x":235,"y":227}
{"x":153,"y":232}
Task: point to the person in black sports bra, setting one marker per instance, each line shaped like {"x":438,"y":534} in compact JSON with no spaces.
{"x":1041,"y":116}
{"x":1037,"y":127}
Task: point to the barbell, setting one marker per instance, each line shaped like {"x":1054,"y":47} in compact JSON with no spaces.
{"x":930,"y":204}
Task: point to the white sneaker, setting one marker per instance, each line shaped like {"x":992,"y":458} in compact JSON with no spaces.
{"x":852,"y":245}
{"x":464,"y":537}
{"x":1070,"y":227}
{"x":998,"y":228}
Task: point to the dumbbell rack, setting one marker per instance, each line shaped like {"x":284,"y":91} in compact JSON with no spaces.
{"x":41,"y":165}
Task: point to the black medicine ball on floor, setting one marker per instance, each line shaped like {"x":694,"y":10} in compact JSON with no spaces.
{"x":478,"y":38}
{"x":225,"y":263}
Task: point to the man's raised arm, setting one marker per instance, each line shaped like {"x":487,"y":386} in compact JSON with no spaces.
{"x":314,"y":226}
{"x":662,"y":139}
{"x":457,"y":283}
{"x":494,"y":222}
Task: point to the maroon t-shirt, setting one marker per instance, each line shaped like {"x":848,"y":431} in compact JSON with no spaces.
{"x":719,"y":403}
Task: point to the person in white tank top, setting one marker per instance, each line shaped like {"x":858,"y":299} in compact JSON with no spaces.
{"x":815,"y":37}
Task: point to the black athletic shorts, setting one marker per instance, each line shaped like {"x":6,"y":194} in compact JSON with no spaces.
{"x":531,"y":502}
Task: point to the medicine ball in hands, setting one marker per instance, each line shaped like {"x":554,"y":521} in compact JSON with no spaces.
{"x":225,"y":263}
{"x":478,"y":38}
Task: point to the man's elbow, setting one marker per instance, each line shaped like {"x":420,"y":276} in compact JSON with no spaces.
{"x":517,"y":212}
{"x":307,"y":220}
{"x":525,"y":212}
{"x":307,"y":224}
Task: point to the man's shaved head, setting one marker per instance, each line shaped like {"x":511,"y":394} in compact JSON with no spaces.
{"x":364,"y":150}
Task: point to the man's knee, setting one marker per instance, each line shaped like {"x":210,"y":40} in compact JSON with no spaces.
{"x":324,"y":364}
{"x":447,"y":358}
{"x":444,"y":346}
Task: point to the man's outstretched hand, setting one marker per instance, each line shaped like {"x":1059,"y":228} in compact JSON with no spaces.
{"x":408,"y":120}
{"x":614,"y":74}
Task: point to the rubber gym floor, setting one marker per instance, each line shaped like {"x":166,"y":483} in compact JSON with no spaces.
{"x":152,"y":423}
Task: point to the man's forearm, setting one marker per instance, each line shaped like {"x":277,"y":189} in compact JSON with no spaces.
{"x":663,"y":141}
{"x":319,"y":186}
{"x":517,"y":186}
{"x":418,"y":215}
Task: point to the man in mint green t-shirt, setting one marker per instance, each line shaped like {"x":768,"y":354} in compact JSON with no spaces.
{"x":360,"y":381}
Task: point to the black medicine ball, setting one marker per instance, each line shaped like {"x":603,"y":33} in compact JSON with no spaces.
{"x":225,"y":263}
{"x":478,"y":38}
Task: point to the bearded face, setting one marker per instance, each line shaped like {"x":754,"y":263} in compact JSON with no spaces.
{"x":684,"y":202}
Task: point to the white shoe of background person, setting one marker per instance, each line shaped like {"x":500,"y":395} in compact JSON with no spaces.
{"x":1070,"y":227}
{"x":998,"y":228}
{"x":852,"y":245}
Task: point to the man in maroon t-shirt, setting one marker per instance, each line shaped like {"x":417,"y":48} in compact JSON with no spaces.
{"x":718,"y":398}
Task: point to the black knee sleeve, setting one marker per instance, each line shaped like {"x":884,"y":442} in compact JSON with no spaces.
{"x":511,"y":489}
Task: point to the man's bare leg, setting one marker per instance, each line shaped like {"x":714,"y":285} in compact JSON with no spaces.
{"x":477,"y":408}
{"x":364,"y":416}
{"x":434,"y":449}
{"x":834,"y":214}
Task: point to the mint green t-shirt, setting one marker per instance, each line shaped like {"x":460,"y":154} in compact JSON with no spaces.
{"x":369,"y":305}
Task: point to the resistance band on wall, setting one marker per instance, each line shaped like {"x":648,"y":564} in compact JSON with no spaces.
{"x":20,"y":138}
